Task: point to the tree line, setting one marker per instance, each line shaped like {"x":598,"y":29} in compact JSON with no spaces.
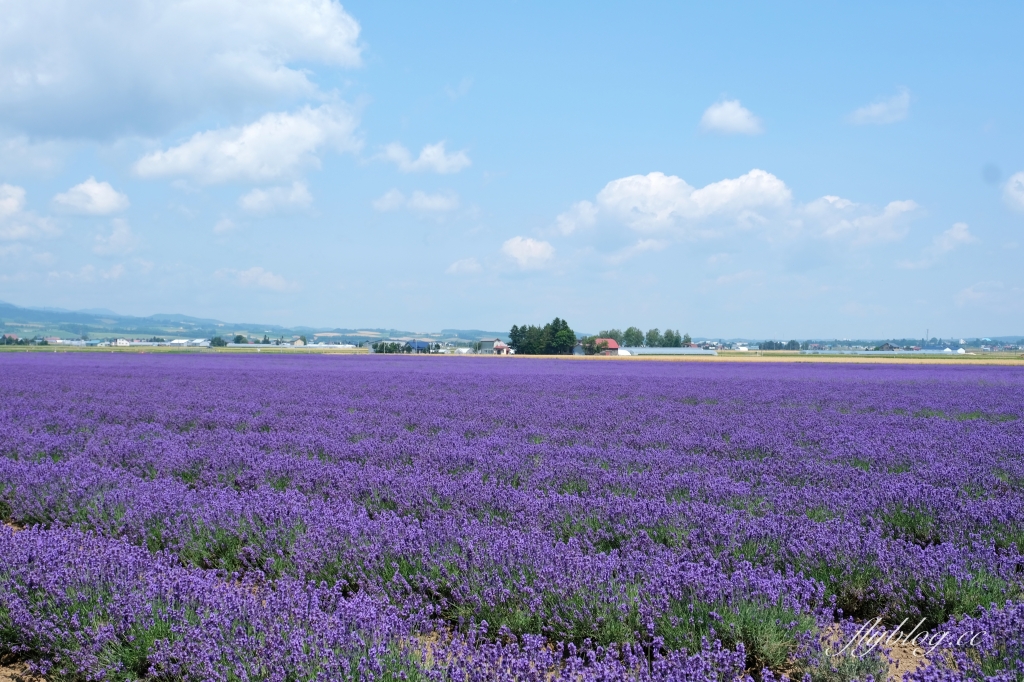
{"x":554,"y":338}
{"x":779,"y":345}
{"x":654,"y":338}
{"x":9,"y":340}
{"x":558,"y":338}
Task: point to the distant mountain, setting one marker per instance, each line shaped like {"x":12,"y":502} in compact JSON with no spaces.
{"x":163,"y":317}
{"x":98,"y":311}
{"x":103,"y":323}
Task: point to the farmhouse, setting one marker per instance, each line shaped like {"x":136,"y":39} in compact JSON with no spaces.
{"x":417,"y":347}
{"x":494,"y":347}
{"x":611,"y":346}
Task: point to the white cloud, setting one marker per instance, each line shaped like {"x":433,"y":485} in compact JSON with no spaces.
{"x":581,"y":215}
{"x":731,"y":118}
{"x":992,"y":295}
{"x":954,"y":237}
{"x":641,"y":246}
{"x":266,"y":200}
{"x":418,"y":201}
{"x":421,"y":201}
{"x":101,"y":69}
{"x":466,"y":266}
{"x":655,"y":202}
{"x":665,"y":207}
{"x":950,"y":240}
{"x":88,"y":273}
{"x":891,"y":110}
{"x":93,"y":198}
{"x":528,"y":253}
{"x":15,"y":222}
{"x":258,"y":278}
{"x":12,"y":200}
{"x":838,"y":218}
{"x":275,"y":146}
{"x":224,"y":225}
{"x":392,"y":200}
{"x":461,"y":91}
{"x":1013,"y":191}
{"x":119,"y":242}
{"x":432,"y":158}
{"x":19,"y":154}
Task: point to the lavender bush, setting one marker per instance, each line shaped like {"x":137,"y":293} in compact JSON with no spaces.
{"x":302,"y":518}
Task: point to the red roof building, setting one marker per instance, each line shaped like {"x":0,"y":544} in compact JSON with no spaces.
{"x":611,"y":346}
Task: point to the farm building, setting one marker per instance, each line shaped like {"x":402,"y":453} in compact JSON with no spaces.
{"x":494,"y":347}
{"x":417,"y":347}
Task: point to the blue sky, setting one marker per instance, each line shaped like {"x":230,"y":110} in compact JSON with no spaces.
{"x":794,"y":170}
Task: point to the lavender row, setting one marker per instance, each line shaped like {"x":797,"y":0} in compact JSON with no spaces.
{"x":98,"y":609}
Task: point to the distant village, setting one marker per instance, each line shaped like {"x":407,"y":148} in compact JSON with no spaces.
{"x":594,"y":345}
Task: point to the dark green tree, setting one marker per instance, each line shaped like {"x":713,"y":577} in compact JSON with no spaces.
{"x":240,"y":339}
{"x":671,"y":339}
{"x":554,"y":338}
{"x":559,"y":337}
{"x":687,"y":340}
{"x":633,"y":337}
{"x":218,"y":342}
{"x":611,"y":334}
{"x":654,"y":339}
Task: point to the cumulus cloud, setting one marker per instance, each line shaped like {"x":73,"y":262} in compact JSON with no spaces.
{"x":891,"y":110}
{"x":731,"y":118}
{"x":529,"y":254}
{"x":224,"y":225}
{"x":421,"y":201}
{"x":641,"y":246}
{"x":12,"y":200}
{"x":433,"y":157}
{"x":664,"y":207}
{"x":950,"y":240}
{"x":258,"y":278}
{"x":119,"y":242}
{"x":15,"y":222}
{"x":91,"y":198}
{"x":953,"y":238}
{"x":392,"y":200}
{"x":100,"y":69}
{"x":581,"y":215}
{"x":271,"y":198}
{"x":418,"y":201}
{"x":1013,"y":191}
{"x":275,"y":146}
{"x":656,"y":202}
{"x":466,"y":266}
{"x":839,"y":218}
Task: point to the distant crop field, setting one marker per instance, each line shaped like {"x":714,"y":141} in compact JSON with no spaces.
{"x":216,"y":516}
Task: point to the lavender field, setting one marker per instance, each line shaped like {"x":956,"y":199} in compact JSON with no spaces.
{"x":217,"y":517}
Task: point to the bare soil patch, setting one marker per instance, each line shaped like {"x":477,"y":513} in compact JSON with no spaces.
{"x":904,"y":661}
{"x":12,"y":670}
